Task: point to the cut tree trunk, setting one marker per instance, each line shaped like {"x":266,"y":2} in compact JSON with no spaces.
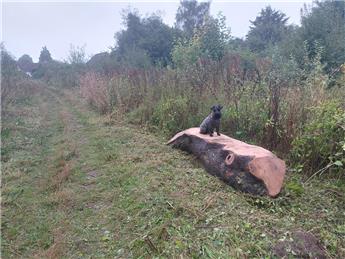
{"x":247,"y":168}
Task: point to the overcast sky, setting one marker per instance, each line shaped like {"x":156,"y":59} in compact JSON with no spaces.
{"x":29,"y":25}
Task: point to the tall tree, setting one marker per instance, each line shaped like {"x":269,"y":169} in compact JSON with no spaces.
{"x":267,"y":29}
{"x":45,"y":56}
{"x":214,"y":37}
{"x":145,"y":38}
{"x":76,"y":55}
{"x":324,"y":24}
{"x":191,"y":15}
{"x":25,"y":63}
{"x":9,"y":76}
{"x":8,"y":65}
{"x":208,"y":42}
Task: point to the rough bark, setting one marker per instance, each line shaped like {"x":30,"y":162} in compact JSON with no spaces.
{"x":245,"y":167}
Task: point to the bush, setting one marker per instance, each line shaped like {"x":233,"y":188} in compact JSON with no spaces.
{"x":321,"y":143}
{"x":15,"y":84}
{"x":59,"y":74}
{"x":173,"y":115}
{"x":187,"y":53}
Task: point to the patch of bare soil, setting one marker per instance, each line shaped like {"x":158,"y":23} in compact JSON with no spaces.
{"x":301,"y":245}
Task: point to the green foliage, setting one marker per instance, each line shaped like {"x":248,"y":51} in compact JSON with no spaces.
{"x":208,"y":42}
{"x":321,"y":142}
{"x":214,"y":37}
{"x":45,"y":56}
{"x":246,"y":118}
{"x":283,"y":72}
{"x":322,"y":35}
{"x":77,"y":55}
{"x":26,"y":64}
{"x":173,"y":114}
{"x":264,"y":99}
{"x":191,"y":16}
{"x":324,"y":24}
{"x":15,"y":84}
{"x":9,"y":76}
{"x":57,"y":73}
{"x":267,"y":29}
{"x":103,"y":63}
{"x":313,"y":67}
{"x":169,"y":114}
{"x":8,"y":65}
{"x":292,"y":44}
{"x":135,"y":57}
{"x":295,"y":188}
{"x":237,"y":44}
{"x":186,"y":53}
{"x":145,"y":40}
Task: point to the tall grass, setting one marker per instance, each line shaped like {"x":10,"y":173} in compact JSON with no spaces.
{"x":94,"y":88}
{"x":266,"y":101}
{"x":16,"y":89}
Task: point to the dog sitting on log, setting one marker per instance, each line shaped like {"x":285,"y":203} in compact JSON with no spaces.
{"x":212,"y":121}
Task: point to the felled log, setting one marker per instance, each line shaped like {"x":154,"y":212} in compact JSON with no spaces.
{"x":245,"y":167}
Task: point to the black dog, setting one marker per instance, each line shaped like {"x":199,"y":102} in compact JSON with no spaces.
{"x":212,"y":121}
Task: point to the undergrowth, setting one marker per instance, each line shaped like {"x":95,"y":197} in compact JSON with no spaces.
{"x":75,"y":185}
{"x":272,"y":103}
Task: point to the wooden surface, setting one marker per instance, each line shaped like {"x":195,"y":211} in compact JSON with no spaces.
{"x":248,"y":168}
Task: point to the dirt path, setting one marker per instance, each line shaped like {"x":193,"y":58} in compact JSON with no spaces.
{"x":75,"y":185}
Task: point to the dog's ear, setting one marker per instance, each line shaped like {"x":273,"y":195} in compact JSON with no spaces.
{"x":212,"y":108}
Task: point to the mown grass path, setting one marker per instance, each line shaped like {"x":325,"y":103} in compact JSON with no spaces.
{"x":75,"y":184}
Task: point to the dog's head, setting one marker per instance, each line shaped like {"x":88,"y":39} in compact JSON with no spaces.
{"x":216,"y":111}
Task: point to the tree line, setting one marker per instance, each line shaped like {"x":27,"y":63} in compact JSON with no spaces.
{"x":148,"y":41}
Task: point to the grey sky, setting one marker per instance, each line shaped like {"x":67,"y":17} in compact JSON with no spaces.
{"x":28,"y":25}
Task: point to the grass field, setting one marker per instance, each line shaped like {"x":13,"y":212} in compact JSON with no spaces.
{"x":76,"y":184}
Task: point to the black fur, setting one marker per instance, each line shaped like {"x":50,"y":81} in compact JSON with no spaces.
{"x":212,"y":121}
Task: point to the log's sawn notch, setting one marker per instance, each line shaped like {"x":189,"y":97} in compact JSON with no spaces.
{"x":245,"y":167}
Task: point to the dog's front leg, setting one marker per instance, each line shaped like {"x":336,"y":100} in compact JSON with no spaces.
{"x":211,"y":132}
{"x":217,"y":130}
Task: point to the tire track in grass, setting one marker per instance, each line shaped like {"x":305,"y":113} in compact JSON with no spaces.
{"x":48,"y":192}
{"x":68,"y":184}
{"x":61,"y":166}
{"x":73,"y":188}
{"x":28,"y":223}
{"x":126,"y":189}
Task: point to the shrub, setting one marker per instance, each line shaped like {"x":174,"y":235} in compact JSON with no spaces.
{"x":172,"y":114}
{"x":59,"y":74}
{"x":187,"y":53}
{"x":321,"y":143}
{"x":15,"y":84}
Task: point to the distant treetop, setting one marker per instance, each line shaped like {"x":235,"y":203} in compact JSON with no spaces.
{"x":267,"y":29}
{"x":25,"y":63}
{"x":191,"y":15}
{"x":45,"y":56}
